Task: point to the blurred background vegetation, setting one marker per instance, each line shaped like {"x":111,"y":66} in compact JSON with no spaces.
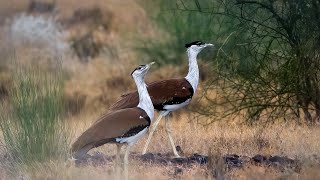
{"x":178,"y":26}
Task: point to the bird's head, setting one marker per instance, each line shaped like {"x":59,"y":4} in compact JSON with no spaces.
{"x":196,"y":47}
{"x":141,"y":70}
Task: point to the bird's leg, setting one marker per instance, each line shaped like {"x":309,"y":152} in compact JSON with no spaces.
{"x":168,"y":130}
{"x":126,"y":162}
{"x":153,"y":128}
{"x":118,"y":162}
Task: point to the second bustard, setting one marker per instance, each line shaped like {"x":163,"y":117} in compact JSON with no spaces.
{"x":124,"y":126}
{"x":169,"y":95}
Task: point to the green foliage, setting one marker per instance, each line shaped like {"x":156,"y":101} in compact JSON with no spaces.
{"x":177,"y":27}
{"x":267,"y":54}
{"x":269,"y":67}
{"x":31,"y":122}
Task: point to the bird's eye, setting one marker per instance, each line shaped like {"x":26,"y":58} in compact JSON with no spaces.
{"x":140,"y":67}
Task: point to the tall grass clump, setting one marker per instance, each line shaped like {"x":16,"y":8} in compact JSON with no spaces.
{"x":31,"y":123}
{"x":31,"y":118}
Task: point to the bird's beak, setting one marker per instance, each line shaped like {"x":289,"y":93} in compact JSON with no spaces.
{"x":207,"y":44}
{"x":149,"y":65}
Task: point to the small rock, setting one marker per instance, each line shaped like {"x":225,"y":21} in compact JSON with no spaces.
{"x":276,"y":159}
{"x":162,"y":161}
{"x":281,"y":160}
{"x":259,"y":158}
{"x":147,"y":157}
{"x":179,"y":160}
{"x":233,"y":160}
{"x":245,"y":159}
{"x":199,"y":159}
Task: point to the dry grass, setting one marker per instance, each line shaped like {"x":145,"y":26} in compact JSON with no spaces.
{"x":286,"y":139}
{"x":296,"y":142}
{"x":282,"y":139}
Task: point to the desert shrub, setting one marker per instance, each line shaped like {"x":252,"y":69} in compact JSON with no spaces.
{"x":269,"y":65}
{"x":86,"y":47}
{"x":267,"y":55}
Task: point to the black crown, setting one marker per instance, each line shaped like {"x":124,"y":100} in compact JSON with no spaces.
{"x":194,"y":43}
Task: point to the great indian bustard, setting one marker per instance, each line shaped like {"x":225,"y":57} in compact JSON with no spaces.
{"x":169,"y":95}
{"x":124,"y":126}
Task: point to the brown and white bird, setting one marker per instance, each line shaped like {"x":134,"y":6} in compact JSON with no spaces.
{"x":124,"y":126}
{"x":169,"y":95}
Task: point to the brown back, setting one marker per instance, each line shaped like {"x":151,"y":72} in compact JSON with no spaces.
{"x":111,"y":126}
{"x":160,"y":92}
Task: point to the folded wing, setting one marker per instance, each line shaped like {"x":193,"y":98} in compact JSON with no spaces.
{"x":117,"y":124}
{"x":166,"y":92}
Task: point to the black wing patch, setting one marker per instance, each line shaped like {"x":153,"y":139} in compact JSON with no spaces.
{"x":133,"y":131}
{"x":174,"y":100}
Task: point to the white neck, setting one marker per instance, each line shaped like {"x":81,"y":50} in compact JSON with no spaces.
{"x":145,"y":102}
{"x":193,"y":74}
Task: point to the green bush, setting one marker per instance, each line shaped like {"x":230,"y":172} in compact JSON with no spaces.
{"x":267,"y":54}
{"x":268,"y":69}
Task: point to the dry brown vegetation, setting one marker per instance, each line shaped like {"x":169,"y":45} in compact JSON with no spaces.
{"x":91,"y":87}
